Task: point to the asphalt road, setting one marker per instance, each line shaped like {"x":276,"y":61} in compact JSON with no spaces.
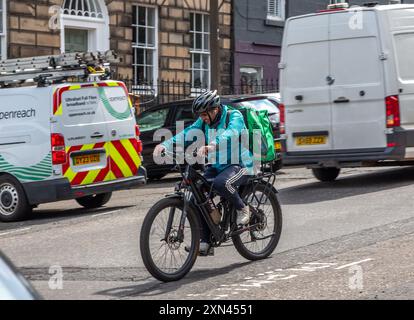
{"x":350,"y":239}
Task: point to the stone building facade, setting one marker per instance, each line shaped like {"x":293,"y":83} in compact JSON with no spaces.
{"x":156,"y":39}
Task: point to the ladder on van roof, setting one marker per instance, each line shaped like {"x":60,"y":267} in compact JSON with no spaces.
{"x":44,"y":70}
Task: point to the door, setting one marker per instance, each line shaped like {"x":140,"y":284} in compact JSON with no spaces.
{"x":81,"y":120}
{"x":358,"y":90}
{"x":121,"y":125}
{"x":305,"y":89}
{"x":99,"y":129}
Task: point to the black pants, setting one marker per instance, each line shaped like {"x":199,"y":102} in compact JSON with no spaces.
{"x":226,"y":183}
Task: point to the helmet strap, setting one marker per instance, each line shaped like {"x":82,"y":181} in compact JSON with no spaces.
{"x":214,"y":122}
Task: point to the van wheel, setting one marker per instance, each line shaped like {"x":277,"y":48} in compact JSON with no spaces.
{"x":326,"y":174}
{"x":13,"y":201}
{"x":95,"y":200}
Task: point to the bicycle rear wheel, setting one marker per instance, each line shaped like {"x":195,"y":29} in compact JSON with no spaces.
{"x":266,"y":221}
{"x":163,"y":254}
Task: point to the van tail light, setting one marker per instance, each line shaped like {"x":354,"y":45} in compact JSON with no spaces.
{"x":58,"y":149}
{"x":138,"y":144}
{"x":392,"y":104}
{"x":282,"y":118}
{"x":137,"y":131}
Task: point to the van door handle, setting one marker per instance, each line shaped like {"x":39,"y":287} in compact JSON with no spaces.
{"x":97,"y":135}
{"x":341,"y":100}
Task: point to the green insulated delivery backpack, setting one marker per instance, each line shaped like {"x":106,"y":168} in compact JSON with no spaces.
{"x":259,"y":120}
{"x":256,"y":120}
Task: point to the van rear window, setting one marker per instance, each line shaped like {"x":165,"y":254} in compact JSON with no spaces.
{"x":404,"y":47}
{"x":95,"y":105}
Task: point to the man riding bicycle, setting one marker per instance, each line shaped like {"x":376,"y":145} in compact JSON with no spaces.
{"x":225,"y":175}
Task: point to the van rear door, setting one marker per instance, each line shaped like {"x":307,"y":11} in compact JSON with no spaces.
{"x":358,"y":90}
{"x":402,"y":40}
{"x":121,"y":123}
{"x":304,"y":85}
{"x":97,"y":123}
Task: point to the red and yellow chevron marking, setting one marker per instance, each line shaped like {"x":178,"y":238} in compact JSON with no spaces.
{"x":57,"y":95}
{"x":123,"y":161}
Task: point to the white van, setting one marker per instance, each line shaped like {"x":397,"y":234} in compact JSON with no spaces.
{"x":66,"y":141}
{"x":347,"y":86}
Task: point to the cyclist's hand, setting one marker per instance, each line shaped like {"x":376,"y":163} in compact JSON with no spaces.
{"x":204,"y":151}
{"x":159,"y":150}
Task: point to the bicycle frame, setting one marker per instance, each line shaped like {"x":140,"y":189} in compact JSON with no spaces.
{"x":193,"y":197}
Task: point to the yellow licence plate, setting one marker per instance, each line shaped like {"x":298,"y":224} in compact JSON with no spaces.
{"x":311,"y":140}
{"x":86,"y":159}
{"x":278,"y":146}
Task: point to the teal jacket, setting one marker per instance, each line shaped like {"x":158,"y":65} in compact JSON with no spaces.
{"x":229,"y":150}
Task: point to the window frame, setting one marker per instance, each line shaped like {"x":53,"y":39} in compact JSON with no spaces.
{"x":3,"y":32}
{"x":98,"y":28}
{"x":145,"y":89}
{"x":272,"y":14}
{"x":201,"y":51}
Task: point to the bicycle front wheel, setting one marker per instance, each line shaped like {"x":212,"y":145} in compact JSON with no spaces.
{"x":163,"y":253}
{"x":266,"y":224}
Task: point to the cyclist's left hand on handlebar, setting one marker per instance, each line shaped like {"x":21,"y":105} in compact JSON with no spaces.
{"x":204,"y":151}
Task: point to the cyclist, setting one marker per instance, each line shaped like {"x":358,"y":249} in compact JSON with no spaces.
{"x":226,"y":176}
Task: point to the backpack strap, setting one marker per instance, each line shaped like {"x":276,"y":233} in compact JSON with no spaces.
{"x":228,"y":119}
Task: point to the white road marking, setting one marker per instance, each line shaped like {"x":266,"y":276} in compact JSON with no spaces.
{"x":274,"y":276}
{"x":289,"y":277}
{"x":302,"y":269}
{"x":14,"y":231}
{"x":219,"y":296}
{"x":352,"y":264}
{"x":104,"y":214}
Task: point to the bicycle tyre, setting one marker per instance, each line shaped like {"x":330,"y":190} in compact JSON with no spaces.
{"x":277,"y":229}
{"x":147,"y":258}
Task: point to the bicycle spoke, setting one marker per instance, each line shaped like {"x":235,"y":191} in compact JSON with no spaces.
{"x":248,"y":238}
{"x":169,"y":256}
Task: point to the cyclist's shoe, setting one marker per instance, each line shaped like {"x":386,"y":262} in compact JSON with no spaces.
{"x":205,"y":249}
{"x":243,"y":216}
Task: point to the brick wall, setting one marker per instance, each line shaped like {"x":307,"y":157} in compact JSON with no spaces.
{"x":30,"y":35}
{"x":28,"y":28}
{"x":173,"y":36}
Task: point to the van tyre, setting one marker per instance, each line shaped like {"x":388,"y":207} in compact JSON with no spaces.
{"x":95,"y":200}
{"x":13,"y":201}
{"x":326,"y":174}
